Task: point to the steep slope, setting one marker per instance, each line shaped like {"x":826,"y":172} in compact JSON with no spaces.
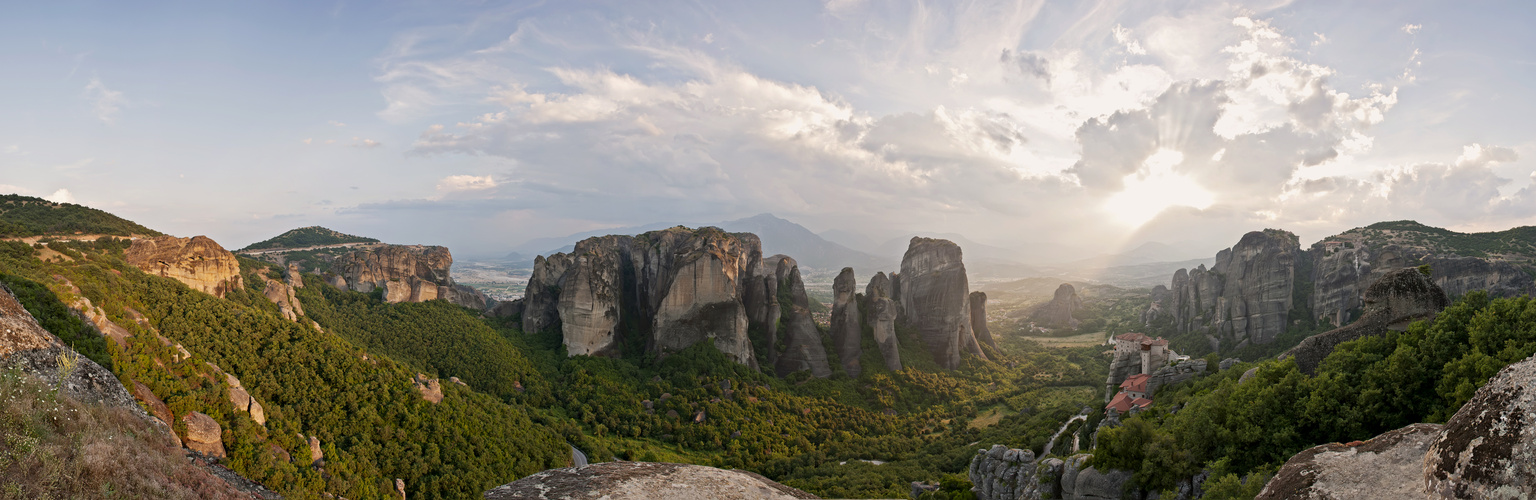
{"x":23,"y":216}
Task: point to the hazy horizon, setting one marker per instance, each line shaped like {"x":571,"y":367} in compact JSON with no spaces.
{"x":1070,"y":128}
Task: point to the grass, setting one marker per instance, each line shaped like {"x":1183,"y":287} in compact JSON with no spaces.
{"x":52,"y":446}
{"x":1086,"y":339}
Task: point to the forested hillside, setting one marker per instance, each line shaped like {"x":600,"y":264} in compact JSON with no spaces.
{"x":23,"y":216}
{"x":307,"y":237}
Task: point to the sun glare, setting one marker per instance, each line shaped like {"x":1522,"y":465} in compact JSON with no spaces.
{"x":1153,"y":188}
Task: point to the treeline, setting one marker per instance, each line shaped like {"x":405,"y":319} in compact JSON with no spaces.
{"x":23,"y":216}
{"x":307,"y":237}
{"x":1364,"y":388}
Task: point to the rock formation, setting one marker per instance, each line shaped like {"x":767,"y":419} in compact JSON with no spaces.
{"x":407,"y":273}
{"x":676,"y":287}
{"x":26,"y":346}
{"x":846,"y":330}
{"x":1392,"y":302}
{"x":243,"y":401}
{"x":1387,"y":466}
{"x":198,"y":262}
{"x":645,"y":480}
{"x":881,"y":311}
{"x":1488,"y":448}
{"x":1245,"y":297}
{"x":935,"y":297}
{"x":1062,"y":310}
{"x":979,"y":319}
{"x":1001,"y":473}
{"x":281,"y":293}
{"x":802,"y":341}
{"x":430,"y":388}
{"x":316,"y":454}
{"x":204,"y":435}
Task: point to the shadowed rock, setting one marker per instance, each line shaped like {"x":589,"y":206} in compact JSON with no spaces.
{"x":845,"y":321}
{"x":979,"y":319}
{"x":1394,"y":301}
{"x":645,"y":480}
{"x":1062,"y":310}
{"x":935,"y":298}
{"x":882,"y":320}
{"x":803,"y":350}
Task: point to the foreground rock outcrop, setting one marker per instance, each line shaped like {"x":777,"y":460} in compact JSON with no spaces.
{"x":1387,"y":466}
{"x":1488,"y":449}
{"x":1062,"y":310}
{"x":935,"y":299}
{"x":645,"y":480}
{"x":26,"y":346}
{"x":198,"y":262}
{"x":1394,"y":301}
{"x":1002,"y":473}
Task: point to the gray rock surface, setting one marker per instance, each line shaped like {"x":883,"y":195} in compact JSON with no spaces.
{"x":1395,"y":300}
{"x":26,"y":346}
{"x":846,"y":330}
{"x":935,"y":297}
{"x":1488,"y":449}
{"x":644,"y":480}
{"x":1062,"y":310}
{"x":1091,"y":484}
{"x":203,"y":434}
{"x":979,"y":319}
{"x":589,"y":304}
{"x":881,"y":314}
{"x":541,"y":299}
{"x":803,"y":349}
{"x":1387,"y":466}
{"x":1003,"y":473}
{"x":1245,"y":297}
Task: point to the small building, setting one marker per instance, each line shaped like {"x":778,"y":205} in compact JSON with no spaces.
{"x":1136,"y":386}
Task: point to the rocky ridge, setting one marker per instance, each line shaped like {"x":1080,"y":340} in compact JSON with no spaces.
{"x":198,"y":262}
{"x":645,"y":480}
{"x":1392,"y":302}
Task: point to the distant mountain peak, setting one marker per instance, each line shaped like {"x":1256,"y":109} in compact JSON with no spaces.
{"x":308,"y":236}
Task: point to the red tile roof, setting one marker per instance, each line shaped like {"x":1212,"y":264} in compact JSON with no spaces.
{"x":1136,"y":383}
{"x":1121,"y":403}
{"x":1141,"y":403}
{"x":1133,"y":336}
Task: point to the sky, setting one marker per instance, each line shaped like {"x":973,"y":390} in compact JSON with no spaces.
{"x":1061,"y":129}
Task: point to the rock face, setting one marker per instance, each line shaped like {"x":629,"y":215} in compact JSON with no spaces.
{"x":282,"y":294}
{"x":1387,"y":466}
{"x":802,"y":342}
{"x":316,"y":454}
{"x":1245,"y":297}
{"x":1061,"y":311}
{"x":204,"y":435}
{"x":881,"y":313}
{"x":935,"y":297}
{"x":1488,"y":449}
{"x":979,"y":319}
{"x":431,"y":389}
{"x":846,"y":329}
{"x":675,"y":287}
{"x":645,"y":480}
{"x":1394,"y":301}
{"x":243,"y":400}
{"x":198,"y":262}
{"x":1001,"y":473}
{"x":26,"y":346}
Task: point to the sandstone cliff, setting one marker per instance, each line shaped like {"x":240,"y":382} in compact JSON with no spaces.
{"x":199,"y":262}
{"x":407,"y":273}
{"x":846,"y":328}
{"x":675,"y":288}
{"x":1062,"y":310}
{"x":935,"y":299}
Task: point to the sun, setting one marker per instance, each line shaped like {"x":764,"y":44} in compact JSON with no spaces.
{"x":1153,"y":188}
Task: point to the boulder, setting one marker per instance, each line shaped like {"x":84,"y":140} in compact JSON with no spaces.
{"x":1387,"y":466}
{"x":431,"y":389}
{"x":645,"y":480}
{"x":316,"y":454}
{"x":882,"y":320}
{"x":243,"y":401}
{"x":1488,"y":448}
{"x":1062,"y":310}
{"x":1002,"y":473}
{"x":157,"y":408}
{"x":935,"y":299}
{"x":204,"y":434}
{"x":979,"y":319}
{"x":846,"y":330}
{"x":1091,"y":484}
{"x":1392,"y":302}
{"x":198,"y":262}
{"x":281,"y":293}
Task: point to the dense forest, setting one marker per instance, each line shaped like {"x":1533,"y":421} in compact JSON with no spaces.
{"x":23,"y":216}
{"x":307,"y":237}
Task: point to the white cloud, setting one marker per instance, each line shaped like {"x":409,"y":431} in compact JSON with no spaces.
{"x":1123,"y":37}
{"x":61,"y":196}
{"x":1412,"y":29}
{"x":454,"y":183}
{"x":106,"y":103}
{"x":363,"y":143}
{"x":1478,"y":155}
